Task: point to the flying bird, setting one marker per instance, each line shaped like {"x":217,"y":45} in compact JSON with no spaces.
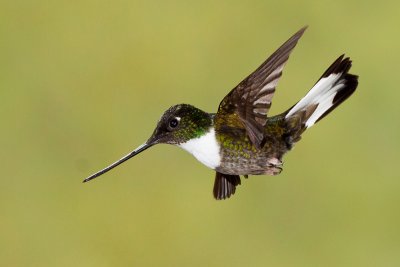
{"x":241,"y":139}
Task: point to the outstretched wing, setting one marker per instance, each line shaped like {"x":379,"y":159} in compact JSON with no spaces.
{"x":251,"y":98}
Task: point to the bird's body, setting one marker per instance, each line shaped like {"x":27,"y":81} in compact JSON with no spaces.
{"x":229,"y":150}
{"x":240,"y":139}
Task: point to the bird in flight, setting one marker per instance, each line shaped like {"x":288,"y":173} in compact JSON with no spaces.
{"x":241,"y":139}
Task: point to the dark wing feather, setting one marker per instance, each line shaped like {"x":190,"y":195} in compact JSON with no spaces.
{"x":225,"y":185}
{"x":251,"y":98}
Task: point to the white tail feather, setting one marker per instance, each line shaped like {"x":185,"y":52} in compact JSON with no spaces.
{"x":322,"y":94}
{"x":334,"y":87}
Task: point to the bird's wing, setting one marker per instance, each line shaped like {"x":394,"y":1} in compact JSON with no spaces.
{"x":225,"y":185}
{"x":251,"y":98}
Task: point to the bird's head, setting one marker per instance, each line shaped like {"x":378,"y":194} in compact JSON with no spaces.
{"x":178,"y":124}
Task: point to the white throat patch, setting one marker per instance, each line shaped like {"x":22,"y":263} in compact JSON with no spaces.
{"x":205,"y":149}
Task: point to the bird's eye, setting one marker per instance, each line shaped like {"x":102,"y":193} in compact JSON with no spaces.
{"x":173,"y":123}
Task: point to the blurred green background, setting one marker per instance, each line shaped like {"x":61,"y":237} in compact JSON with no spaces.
{"x":83,"y":83}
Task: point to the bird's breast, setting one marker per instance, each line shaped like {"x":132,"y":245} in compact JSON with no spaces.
{"x":205,"y":149}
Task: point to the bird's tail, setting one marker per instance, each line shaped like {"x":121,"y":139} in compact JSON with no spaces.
{"x":334,"y":87}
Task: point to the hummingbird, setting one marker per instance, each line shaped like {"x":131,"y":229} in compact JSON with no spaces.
{"x":241,"y":139}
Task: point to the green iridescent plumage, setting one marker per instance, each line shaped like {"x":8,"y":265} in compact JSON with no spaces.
{"x":193,"y":123}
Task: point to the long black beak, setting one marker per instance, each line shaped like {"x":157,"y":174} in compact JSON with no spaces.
{"x":115,"y":164}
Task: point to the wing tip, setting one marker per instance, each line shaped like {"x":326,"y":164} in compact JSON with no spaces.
{"x":225,"y":185}
{"x":303,"y":29}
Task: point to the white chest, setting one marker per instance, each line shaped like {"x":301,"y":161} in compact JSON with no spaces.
{"x":205,"y":149}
